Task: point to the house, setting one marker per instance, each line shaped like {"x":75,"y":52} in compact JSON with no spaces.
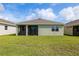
{"x":40,"y":27}
{"x":7,"y":27}
{"x":72,"y":28}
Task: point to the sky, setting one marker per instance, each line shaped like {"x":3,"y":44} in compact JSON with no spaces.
{"x":60,"y":12}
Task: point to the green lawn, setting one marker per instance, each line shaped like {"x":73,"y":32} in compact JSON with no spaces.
{"x":39,"y":45}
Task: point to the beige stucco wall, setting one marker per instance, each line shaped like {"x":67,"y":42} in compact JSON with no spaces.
{"x":44,"y":30}
{"x":11,"y":30}
{"x":47,"y":30}
{"x":68,"y":30}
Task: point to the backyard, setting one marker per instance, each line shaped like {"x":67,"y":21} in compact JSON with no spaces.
{"x":39,"y":45}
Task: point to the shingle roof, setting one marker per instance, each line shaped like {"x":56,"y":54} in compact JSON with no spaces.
{"x":39,"y":21}
{"x":6,"y":22}
{"x":72,"y":23}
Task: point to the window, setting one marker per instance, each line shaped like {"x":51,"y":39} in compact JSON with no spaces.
{"x":55,"y":28}
{"x":6,"y":27}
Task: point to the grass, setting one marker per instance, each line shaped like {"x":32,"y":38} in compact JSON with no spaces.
{"x":39,"y":45}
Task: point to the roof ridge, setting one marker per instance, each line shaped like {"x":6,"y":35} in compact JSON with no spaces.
{"x":40,"y":21}
{"x":75,"y":22}
{"x":7,"y":21}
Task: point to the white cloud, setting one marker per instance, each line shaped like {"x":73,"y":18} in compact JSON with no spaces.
{"x":46,"y":13}
{"x":76,"y":11}
{"x":42,"y":13}
{"x":2,"y":8}
{"x":70,"y":13}
{"x":31,"y":16}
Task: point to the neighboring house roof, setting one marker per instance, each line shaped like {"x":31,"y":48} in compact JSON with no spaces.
{"x":6,"y":22}
{"x":39,"y":21}
{"x":72,"y":23}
